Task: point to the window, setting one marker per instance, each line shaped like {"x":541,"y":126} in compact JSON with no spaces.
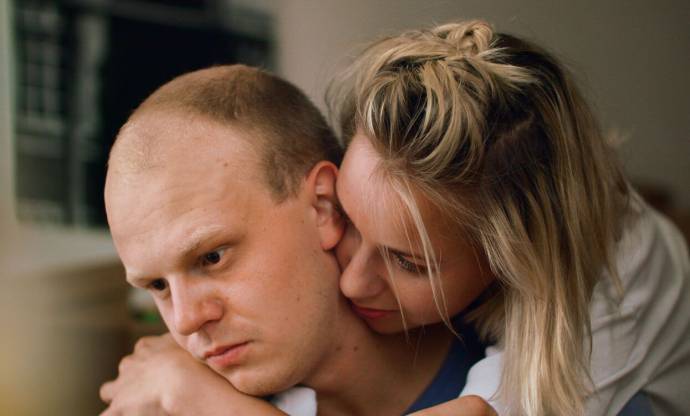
{"x":83,"y":66}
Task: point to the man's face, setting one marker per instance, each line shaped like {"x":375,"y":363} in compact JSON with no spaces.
{"x":241,"y":281}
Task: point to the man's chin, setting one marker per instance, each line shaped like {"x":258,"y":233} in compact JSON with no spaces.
{"x":256,"y":383}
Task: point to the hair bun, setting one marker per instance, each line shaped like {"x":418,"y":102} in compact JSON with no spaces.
{"x":469,"y":38}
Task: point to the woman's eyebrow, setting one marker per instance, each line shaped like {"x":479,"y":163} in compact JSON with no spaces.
{"x":390,"y":248}
{"x":406,"y":254}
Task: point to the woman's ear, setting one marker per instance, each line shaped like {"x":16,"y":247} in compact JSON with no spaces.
{"x":329,"y":221}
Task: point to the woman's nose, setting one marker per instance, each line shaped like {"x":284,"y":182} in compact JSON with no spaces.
{"x":360,"y":278}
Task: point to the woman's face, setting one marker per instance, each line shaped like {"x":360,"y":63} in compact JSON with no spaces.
{"x":378,"y":221}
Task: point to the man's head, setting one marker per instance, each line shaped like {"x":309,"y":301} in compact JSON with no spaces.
{"x":221,"y":205}
{"x":289,"y":132}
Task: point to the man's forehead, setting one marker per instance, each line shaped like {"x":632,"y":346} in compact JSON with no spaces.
{"x":207,"y":172}
{"x":149,"y":139}
{"x":134,"y":150}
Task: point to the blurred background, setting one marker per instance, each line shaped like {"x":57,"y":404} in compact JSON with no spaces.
{"x":72,"y":70}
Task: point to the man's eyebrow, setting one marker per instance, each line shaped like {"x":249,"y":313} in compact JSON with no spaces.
{"x":197,"y":238}
{"x":135,"y":277}
{"x":190,"y":245}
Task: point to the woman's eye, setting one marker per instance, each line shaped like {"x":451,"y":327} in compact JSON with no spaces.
{"x":212,"y":257}
{"x":158,"y":285}
{"x":407,"y":265}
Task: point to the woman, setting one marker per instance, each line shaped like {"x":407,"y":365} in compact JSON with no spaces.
{"x":479,"y":185}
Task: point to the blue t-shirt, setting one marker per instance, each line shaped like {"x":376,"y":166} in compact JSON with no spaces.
{"x":637,"y":406}
{"x":451,"y":377}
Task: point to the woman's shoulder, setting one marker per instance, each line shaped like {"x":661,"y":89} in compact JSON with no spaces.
{"x":651,"y":256}
{"x":639,"y":329}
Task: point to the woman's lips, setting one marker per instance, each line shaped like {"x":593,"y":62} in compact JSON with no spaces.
{"x":369,"y":313}
{"x":227,"y":356}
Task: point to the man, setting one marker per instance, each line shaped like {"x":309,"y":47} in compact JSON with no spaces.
{"x":220,"y":199}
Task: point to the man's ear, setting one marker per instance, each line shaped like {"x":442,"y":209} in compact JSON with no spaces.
{"x":329,"y":221}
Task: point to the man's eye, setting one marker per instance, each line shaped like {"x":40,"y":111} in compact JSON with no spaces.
{"x":158,"y":285}
{"x":212,"y":257}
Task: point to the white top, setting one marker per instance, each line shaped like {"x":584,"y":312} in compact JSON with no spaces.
{"x":643,"y":344}
{"x":297,"y":401}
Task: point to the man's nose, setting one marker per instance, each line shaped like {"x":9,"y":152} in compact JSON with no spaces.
{"x":360,"y":278}
{"x":194,"y":307}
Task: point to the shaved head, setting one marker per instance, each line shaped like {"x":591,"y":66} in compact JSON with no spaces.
{"x":285,"y":128}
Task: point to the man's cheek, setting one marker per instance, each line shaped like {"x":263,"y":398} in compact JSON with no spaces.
{"x":167,"y":314}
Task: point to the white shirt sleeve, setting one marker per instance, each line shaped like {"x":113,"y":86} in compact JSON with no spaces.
{"x":642,"y":341}
{"x":297,"y":401}
{"x":484,"y":377}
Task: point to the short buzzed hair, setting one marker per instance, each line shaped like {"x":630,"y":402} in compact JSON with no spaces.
{"x":290,"y":133}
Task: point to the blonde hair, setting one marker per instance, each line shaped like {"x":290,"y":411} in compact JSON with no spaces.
{"x":492,"y":130}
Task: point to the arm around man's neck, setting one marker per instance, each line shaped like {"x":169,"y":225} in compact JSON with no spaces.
{"x":159,"y":377}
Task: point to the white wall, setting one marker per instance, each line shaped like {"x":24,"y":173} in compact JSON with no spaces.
{"x":633,"y":58}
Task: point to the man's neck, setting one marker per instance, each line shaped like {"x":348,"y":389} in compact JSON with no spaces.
{"x":373,"y":374}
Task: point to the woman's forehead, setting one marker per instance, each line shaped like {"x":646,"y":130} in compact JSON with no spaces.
{"x":383,"y":206}
{"x":370,"y":198}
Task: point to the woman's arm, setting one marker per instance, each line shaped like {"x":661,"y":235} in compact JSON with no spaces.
{"x":465,"y":406}
{"x":160,"y":378}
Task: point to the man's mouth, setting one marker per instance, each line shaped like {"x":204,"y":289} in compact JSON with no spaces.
{"x":225,"y":356}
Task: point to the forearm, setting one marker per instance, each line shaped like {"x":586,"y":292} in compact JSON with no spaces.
{"x":159,"y":377}
{"x":227,"y":405}
{"x":215,"y":396}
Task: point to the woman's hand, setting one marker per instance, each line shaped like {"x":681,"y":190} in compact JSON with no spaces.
{"x":160,"y":378}
{"x":462,"y":406}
